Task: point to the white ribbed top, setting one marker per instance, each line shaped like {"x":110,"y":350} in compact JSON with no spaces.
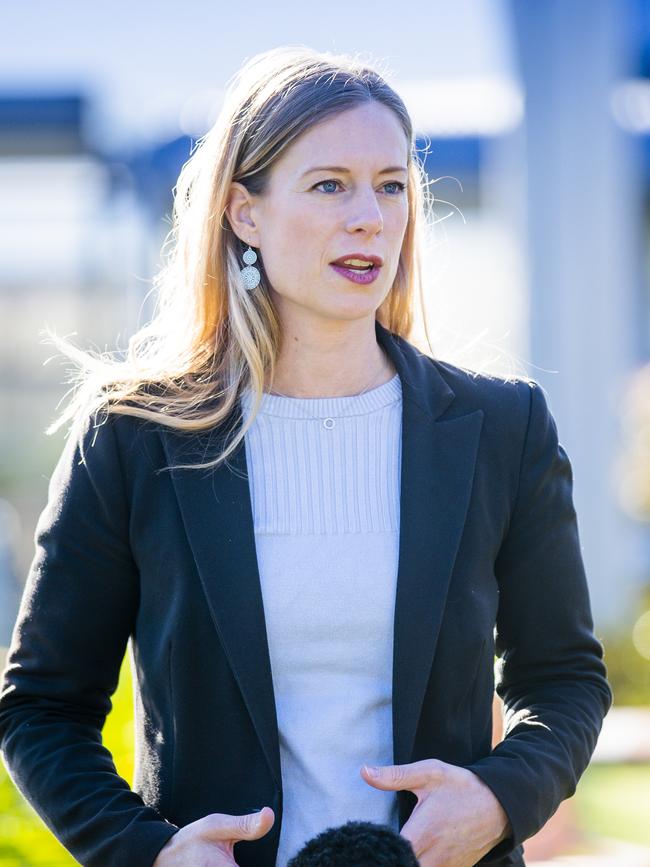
{"x":324,"y":477}
{"x":326,"y":464}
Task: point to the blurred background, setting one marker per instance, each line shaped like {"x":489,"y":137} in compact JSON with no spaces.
{"x":533,"y":122}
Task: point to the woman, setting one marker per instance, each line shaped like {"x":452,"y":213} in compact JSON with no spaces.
{"x":307,"y":528}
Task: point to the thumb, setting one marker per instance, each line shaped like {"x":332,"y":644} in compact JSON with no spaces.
{"x":250,"y":826}
{"x":378,"y":775}
{"x":410,"y":777}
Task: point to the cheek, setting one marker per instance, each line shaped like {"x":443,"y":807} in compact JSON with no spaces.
{"x":397,"y":220}
{"x":285,"y":258}
{"x":295,"y":243}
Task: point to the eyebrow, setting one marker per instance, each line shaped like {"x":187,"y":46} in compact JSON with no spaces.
{"x":343,"y":170}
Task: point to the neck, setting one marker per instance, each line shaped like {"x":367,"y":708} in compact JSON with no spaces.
{"x":342,"y":362}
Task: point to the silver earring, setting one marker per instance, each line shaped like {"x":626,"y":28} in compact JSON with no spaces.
{"x":250,"y":275}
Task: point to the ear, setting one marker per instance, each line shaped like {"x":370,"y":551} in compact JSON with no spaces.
{"x":239,"y":211}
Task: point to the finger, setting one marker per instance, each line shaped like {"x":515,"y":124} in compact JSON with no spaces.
{"x":410,"y":777}
{"x":250,"y":826}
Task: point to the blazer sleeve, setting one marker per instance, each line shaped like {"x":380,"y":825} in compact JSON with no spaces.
{"x":77,"y":611}
{"x":550,"y":671}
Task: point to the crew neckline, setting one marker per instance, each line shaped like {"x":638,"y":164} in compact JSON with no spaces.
{"x":324,"y":407}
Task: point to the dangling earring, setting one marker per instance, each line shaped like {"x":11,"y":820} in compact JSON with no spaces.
{"x":250,"y":275}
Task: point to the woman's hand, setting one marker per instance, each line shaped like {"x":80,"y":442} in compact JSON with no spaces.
{"x":457,"y":818}
{"x":210,"y":841}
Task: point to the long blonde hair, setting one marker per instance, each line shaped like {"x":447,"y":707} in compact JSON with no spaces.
{"x":208,"y":338}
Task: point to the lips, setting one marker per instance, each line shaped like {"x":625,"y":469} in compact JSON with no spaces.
{"x":342,"y":261}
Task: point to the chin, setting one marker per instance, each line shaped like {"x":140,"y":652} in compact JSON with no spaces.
{"x":352,"y":313}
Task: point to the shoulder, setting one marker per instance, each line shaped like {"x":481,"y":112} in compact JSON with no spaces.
{"x":516,"y":417}
{"x":469,"y":388}
{"x":106,"y":441}
{"x":497,"y":395}
{"x":517,"y":421}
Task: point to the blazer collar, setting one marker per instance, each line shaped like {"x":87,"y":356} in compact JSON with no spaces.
{"x":422,"y":384}
{"x":438,"y":458}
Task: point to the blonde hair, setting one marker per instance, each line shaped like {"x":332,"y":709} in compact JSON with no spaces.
{"x":208,"y":338}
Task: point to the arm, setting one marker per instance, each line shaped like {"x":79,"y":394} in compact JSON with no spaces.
{"x":77,"y":612}
{"x":551,"y":675}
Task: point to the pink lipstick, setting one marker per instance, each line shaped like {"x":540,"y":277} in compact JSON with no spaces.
{"x":354,"y":271}
{"x":358,"y":276}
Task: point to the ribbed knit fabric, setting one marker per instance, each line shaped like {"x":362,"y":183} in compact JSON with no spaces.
{"x":324,"y":477}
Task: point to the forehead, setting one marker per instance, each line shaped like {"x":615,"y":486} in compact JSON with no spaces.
{"x":366,"y":136}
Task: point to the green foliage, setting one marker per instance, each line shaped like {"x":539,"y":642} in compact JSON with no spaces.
{"x":614,"y":801}
{"x":25,"y":840}
{"x":627,"y":670}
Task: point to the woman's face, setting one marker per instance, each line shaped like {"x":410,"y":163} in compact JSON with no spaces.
{"x":311,"y":215}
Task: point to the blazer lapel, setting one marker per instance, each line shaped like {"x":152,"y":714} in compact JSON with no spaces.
{"x":218,"y":519}
{"x":438,"y":458}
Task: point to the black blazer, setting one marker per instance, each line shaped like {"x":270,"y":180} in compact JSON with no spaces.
{"x":488,"y":537}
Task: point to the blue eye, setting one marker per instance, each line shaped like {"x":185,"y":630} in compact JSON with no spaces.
{"x":322,"y":183}
{"x":400,"y":186}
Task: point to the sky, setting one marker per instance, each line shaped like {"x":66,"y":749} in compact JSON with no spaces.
{"x":140,"y":62}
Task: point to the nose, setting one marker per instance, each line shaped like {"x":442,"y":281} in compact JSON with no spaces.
{"x":366,"y":213}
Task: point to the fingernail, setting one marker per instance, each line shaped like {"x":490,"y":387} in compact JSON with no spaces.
{"x":372,"y":772}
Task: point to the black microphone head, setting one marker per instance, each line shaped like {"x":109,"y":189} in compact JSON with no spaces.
{"x":356,"y":844}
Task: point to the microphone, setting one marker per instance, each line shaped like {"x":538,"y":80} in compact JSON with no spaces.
{"x":356,"y":844}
